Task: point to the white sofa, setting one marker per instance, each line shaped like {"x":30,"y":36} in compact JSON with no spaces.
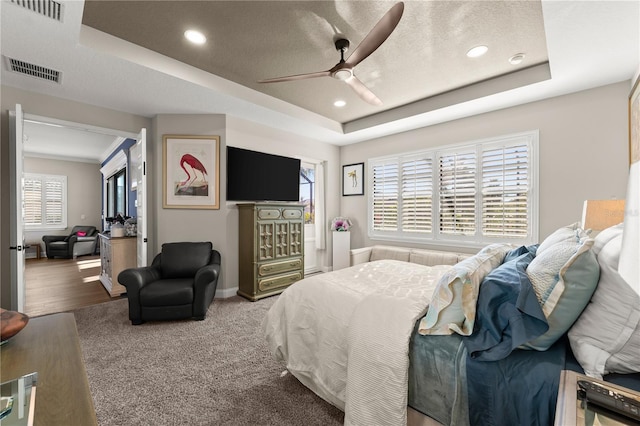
{"x":406,"y":254}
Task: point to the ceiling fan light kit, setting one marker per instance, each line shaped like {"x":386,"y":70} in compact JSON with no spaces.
{"x":343,"y":70}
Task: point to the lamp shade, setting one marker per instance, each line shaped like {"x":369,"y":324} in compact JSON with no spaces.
{"x":628,"y":267}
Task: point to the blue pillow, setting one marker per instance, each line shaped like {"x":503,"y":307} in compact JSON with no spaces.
{"x":508,"y":312}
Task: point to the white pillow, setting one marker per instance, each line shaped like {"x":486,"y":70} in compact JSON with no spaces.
{"x":453,"y":304}
{"x":605,"y":236}
{"x":606,"y":337}
{"x":571,"y":232}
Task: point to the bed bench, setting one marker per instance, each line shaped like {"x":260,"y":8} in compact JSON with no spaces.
{"x":414,"y":255}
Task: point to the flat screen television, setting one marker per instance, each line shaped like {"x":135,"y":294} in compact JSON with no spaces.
{"x":258,"y":176}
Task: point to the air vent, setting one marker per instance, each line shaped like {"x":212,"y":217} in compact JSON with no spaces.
{"x":49,"y":8}
{"x":32,"y":70}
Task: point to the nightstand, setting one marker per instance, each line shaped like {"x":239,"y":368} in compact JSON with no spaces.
{"x":572,"y":410}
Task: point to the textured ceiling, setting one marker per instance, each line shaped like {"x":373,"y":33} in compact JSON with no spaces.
{"x":253,"y":40}
{"x":589,"y":44}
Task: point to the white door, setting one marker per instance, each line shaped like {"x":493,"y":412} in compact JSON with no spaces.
{"x":139,"y":167}
{"x":16,"y":238}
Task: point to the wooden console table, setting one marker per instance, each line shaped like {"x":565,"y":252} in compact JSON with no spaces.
{"x":50,"y":346}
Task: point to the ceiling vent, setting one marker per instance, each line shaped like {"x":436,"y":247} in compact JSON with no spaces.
{"x":32,"y":70}
{"x":49,"y":8}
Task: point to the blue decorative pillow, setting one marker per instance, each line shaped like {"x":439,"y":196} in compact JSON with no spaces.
{"x":564,"y":277}
{"x":508,"y":312}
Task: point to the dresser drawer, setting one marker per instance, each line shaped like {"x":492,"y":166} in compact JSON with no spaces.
{"x":267,"y":284}
{"x":268,"y":214}
{"x":279,"y":267}
{"x":292,"y":213}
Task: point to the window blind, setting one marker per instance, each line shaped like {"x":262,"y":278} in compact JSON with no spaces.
{"x":385,"y":196}
{"x":505,"y":191}
{"x":417,"y":195}
{"x":457,"y":183}
{"x":44,"y":201}
{"x":464,"y":194}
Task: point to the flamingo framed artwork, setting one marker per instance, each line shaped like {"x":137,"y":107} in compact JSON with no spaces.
{"x":191,"y":172}
{"x":353,"y":179}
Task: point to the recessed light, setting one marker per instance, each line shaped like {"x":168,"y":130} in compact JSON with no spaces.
{"x":195,"y":37}
{"x":477,"y":51}
{"x":517,"y":59}
{"x":339,"y":103}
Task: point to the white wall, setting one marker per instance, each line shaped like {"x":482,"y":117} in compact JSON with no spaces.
{"x":84,"y":193}
{"x":583,"y":154}
{"x":583,"y":151}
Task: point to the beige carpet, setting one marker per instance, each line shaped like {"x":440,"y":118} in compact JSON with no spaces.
{"x":212,"y":372}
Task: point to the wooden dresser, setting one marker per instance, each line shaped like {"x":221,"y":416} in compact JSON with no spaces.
{"x":271,"y":248}
{"x":116,"y":255}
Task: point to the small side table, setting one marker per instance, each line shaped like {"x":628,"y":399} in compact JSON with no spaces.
{"x":37,"y":247}
{"x":341,"y":246}
{"x":570,"y":410}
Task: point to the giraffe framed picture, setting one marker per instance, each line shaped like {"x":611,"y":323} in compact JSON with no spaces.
{"x":191,"y":172}
{"x":353,"y":179}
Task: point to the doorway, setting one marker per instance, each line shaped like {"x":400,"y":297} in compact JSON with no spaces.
{"x":72,"y":149}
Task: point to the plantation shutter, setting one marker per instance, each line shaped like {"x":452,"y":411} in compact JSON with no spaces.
{"x":32,"y":194}
{"x":505,"y":191}
{"x":53,"y":201}
{"x":417,"y":195}
{"x":44,"y":200}
{"x":385,"y":196}
{"x":457,"y":180}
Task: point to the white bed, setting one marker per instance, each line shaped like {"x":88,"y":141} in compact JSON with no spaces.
{"x":356,"y":358}
{"x":375,"y":338}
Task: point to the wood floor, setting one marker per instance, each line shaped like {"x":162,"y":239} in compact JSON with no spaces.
{"x":59,"y":285}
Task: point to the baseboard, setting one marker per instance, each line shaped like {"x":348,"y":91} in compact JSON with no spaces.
{"x":226,"y":293}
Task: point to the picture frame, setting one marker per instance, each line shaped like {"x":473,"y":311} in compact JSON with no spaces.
{"x":191,"y":172}
{"x":353,"y":179}
{"x":634,"y":123}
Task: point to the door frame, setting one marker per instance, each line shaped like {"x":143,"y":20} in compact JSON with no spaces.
{"x":18,"y":286}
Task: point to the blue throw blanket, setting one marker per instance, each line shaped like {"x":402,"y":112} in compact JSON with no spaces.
{"x":508,"y":386}
{"x":508,"y":313}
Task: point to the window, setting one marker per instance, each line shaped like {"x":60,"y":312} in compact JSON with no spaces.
{"x":468,"y":194}
{"x":117,"y":194}
{"x":45,"y":201}
{"x":307,"y":194}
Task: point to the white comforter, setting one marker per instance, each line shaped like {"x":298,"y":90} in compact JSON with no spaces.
{"x":345,"y":335}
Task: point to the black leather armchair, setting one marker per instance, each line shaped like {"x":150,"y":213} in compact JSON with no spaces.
{"x":180,"y":283}
{"x":72,"y":245}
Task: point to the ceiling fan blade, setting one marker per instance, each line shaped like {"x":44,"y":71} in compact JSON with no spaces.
{"x":297,"y":77}
{"x":377,"y":35}
{"x":363,"y":91}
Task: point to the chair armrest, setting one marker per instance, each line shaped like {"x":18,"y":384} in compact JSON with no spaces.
{"x":360,"y":255}
{"x":204,"y":289}
{"x":51,"y":238}
{"x":136,"y":278}
{"x":206,"y":275}
{"x":92,"y":239}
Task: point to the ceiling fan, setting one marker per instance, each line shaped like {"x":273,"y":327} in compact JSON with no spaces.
{"x":343,"y":70}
